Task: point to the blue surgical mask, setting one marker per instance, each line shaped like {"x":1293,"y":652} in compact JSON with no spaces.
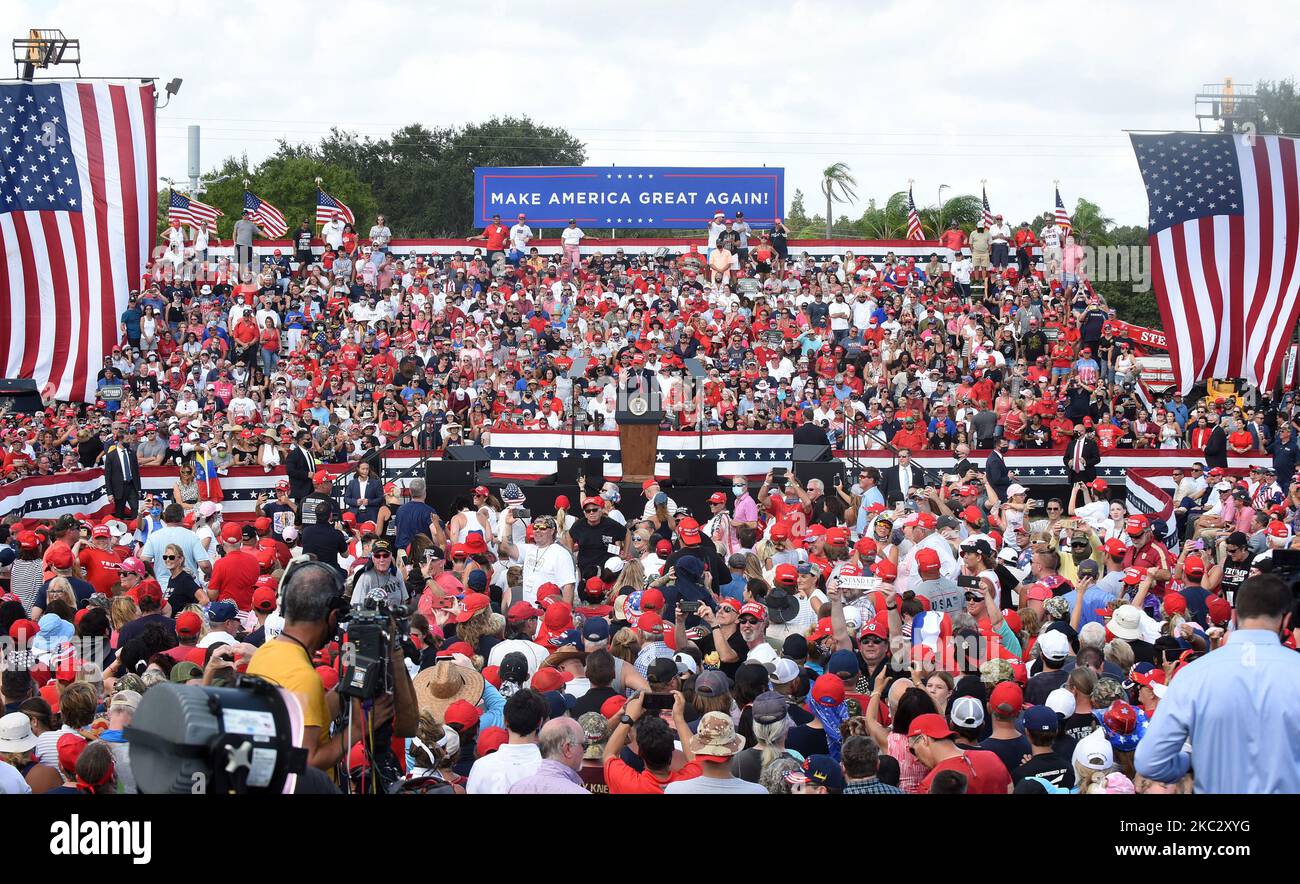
{"x":156,"y":512}
{"x":738,"y":490}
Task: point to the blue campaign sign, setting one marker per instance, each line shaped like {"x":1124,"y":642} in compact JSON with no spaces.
{"x":627,"y":196}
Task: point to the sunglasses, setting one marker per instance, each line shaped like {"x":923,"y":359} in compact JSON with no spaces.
{"x":591,"y":509}
{"x":749,"y":620}
{"x":974,"y":597}
{"x":873,"y":640}
{"x":381,"y":555}
{"x":170,"y":558}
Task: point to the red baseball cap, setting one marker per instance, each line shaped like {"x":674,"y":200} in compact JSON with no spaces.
{"x":885,"y":570}
{"x":972,"y":515}
{"x":462,"y":713}
{"x":1098,"y":485}
{"x":718,"y":497}
{"x":877,"y":626}
{"x":927,"y":560}
{"x":648,"y":484}
{"x":521,"y":611}
{"x":59,"y":556}
{"x":1133,"y":576}
{"x":264,"y":600}
{"x":475,"y":602}
{"x":1115,"y":547}
{"x":1006,"y":698}
{"x":786,"y":575}
{"x":866,"y":547}
{"x":837,"y":536}
{"x":828,"y":690}
{"x":1037,"y":592}
{"x":230,"y":533}
{"x":549,"y":678}
{"x":689,"y":529}
{"x":329,"y":677}
{"x":262,"y":525}
{"x":1193,"y":566}
{"x":1135,"y":525}
{"x":931,"y":724}
{"x":754,"y":609}
{"x":475,"y":545}
{"x":823,"y":630}
{"x":1174,"y":603}
{"x":188,"y":624}
{"x":1219,"y":609}
{"x":490,"y":739}
{"x":652,"y":600}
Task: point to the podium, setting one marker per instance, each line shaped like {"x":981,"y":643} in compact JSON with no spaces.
{"x":638,"y":413}
{"x":639,"y":443}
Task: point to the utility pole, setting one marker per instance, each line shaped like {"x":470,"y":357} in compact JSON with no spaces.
{"x":194,"y":161}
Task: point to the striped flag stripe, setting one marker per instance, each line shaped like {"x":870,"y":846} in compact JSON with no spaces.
{"x":1224,"y":228}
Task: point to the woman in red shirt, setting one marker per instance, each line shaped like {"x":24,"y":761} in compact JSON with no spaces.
{"x":270,"y":339}
{"x":349,"y":241}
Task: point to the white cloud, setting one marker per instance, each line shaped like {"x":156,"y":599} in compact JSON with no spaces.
{"x":1016,"y":93}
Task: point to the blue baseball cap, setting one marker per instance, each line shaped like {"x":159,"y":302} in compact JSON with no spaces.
{"x":1042,"y":719}
{"x":820,"y":770}
{"x":595,"y":629}
{"x":843,"y":661}
{"x":220,"y":612}
{"x":477,"y":580}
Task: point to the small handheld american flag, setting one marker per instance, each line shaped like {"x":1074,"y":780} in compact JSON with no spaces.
{"x":267,"y":216}
{"x":328,"y":206}
{"x":1062,"y":217}
{"x":192,"y":212}
{"x":913,"y":220}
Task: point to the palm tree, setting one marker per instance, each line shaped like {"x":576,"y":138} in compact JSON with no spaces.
{"x":838,"y":186}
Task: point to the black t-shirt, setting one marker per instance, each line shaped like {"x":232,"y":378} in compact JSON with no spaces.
{"x":1043,"y":684}
{"x":1235,"y":574}
{"x":592,"y":701}
{"x":593,"y":542}
{"x":307,"y":512}
{"x":1011,"y":751}
{"x":182,"y":590}
{"x":302,"y":241}
{"x":807,"y":740}
{"x":1078,"y":725}
{"x":325,"y":542}
{"x":136,"y":627}
{"x":1056,"y":770}
{"x":708,"y":646}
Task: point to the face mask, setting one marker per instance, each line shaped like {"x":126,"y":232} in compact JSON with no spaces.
{"x":738,"y":490}
{"x":156,"y":512}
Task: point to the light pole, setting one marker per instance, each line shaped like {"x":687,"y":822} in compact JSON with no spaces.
{"x":942,"y":188}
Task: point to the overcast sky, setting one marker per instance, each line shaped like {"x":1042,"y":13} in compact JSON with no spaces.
{"x":895,"y":90}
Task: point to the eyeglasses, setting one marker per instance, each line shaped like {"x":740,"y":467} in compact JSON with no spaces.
{"x":750,"y":621}
{"x":170,"y":558}
{"x":591,"y":509}
{"x":381,"y":555}
{"x":974,"y":597}
{"x":873,"y":640}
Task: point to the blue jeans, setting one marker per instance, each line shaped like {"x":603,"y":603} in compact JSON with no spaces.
{"x":270,"y":359}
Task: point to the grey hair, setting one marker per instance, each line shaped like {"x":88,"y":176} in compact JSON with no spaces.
{"x":557,"y":734}
{"x":773,"y":776}
{"x":1092,"y":635}
{"x":770,"y":735}
{"x":417,"y":488}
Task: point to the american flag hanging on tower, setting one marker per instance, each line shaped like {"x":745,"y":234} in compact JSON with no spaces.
{"x":988,"y":215}
{"x":1062,"y":217}
{"x":1224,"y":231}
{"x":328,"y":206}
{"x":193,"y":213}
{"x":78,"y":217}
{"x":914,"y":231}
{"x":265,"y":215}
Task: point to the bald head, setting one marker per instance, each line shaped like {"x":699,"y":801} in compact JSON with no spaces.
{"x":563,"y":740}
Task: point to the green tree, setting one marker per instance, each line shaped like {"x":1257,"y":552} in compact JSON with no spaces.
{"x":1279,"y":106}
{"x":838,"y":186}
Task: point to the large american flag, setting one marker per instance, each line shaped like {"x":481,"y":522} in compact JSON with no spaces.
{"x":328,"y":206}
{"x":190,"y":211}
{"x":78,"y":216}
{"x":265,"y":215}
{"x":1224,"y":231}
{"x":913,"y":220}
{"x":1062,"y":216}
{"x":988,"y":215}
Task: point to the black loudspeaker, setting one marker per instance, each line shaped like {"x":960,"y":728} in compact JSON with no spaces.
{"x":826,"y":471}
{"x":456,"y":476}
{"x":476,"y":453}
{"x":22,"y":395}
{"x":686,"y":472}
{"x":569,"y":467}
{"x":811,"y":453}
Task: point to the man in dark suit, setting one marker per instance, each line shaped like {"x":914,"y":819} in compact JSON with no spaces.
{"x":122,"y":475}
{"x":300,"y":465}
{"x":1081,"y":456}
{"x":1216,"y":447}
{"x":808,"y":433}
{"x":995,"y":469}
{"x":900,"y":480}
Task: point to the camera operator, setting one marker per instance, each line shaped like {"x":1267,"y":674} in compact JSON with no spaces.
{"x":311,"y":612}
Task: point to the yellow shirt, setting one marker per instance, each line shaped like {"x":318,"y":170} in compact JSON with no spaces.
{"x":286,"y":664}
